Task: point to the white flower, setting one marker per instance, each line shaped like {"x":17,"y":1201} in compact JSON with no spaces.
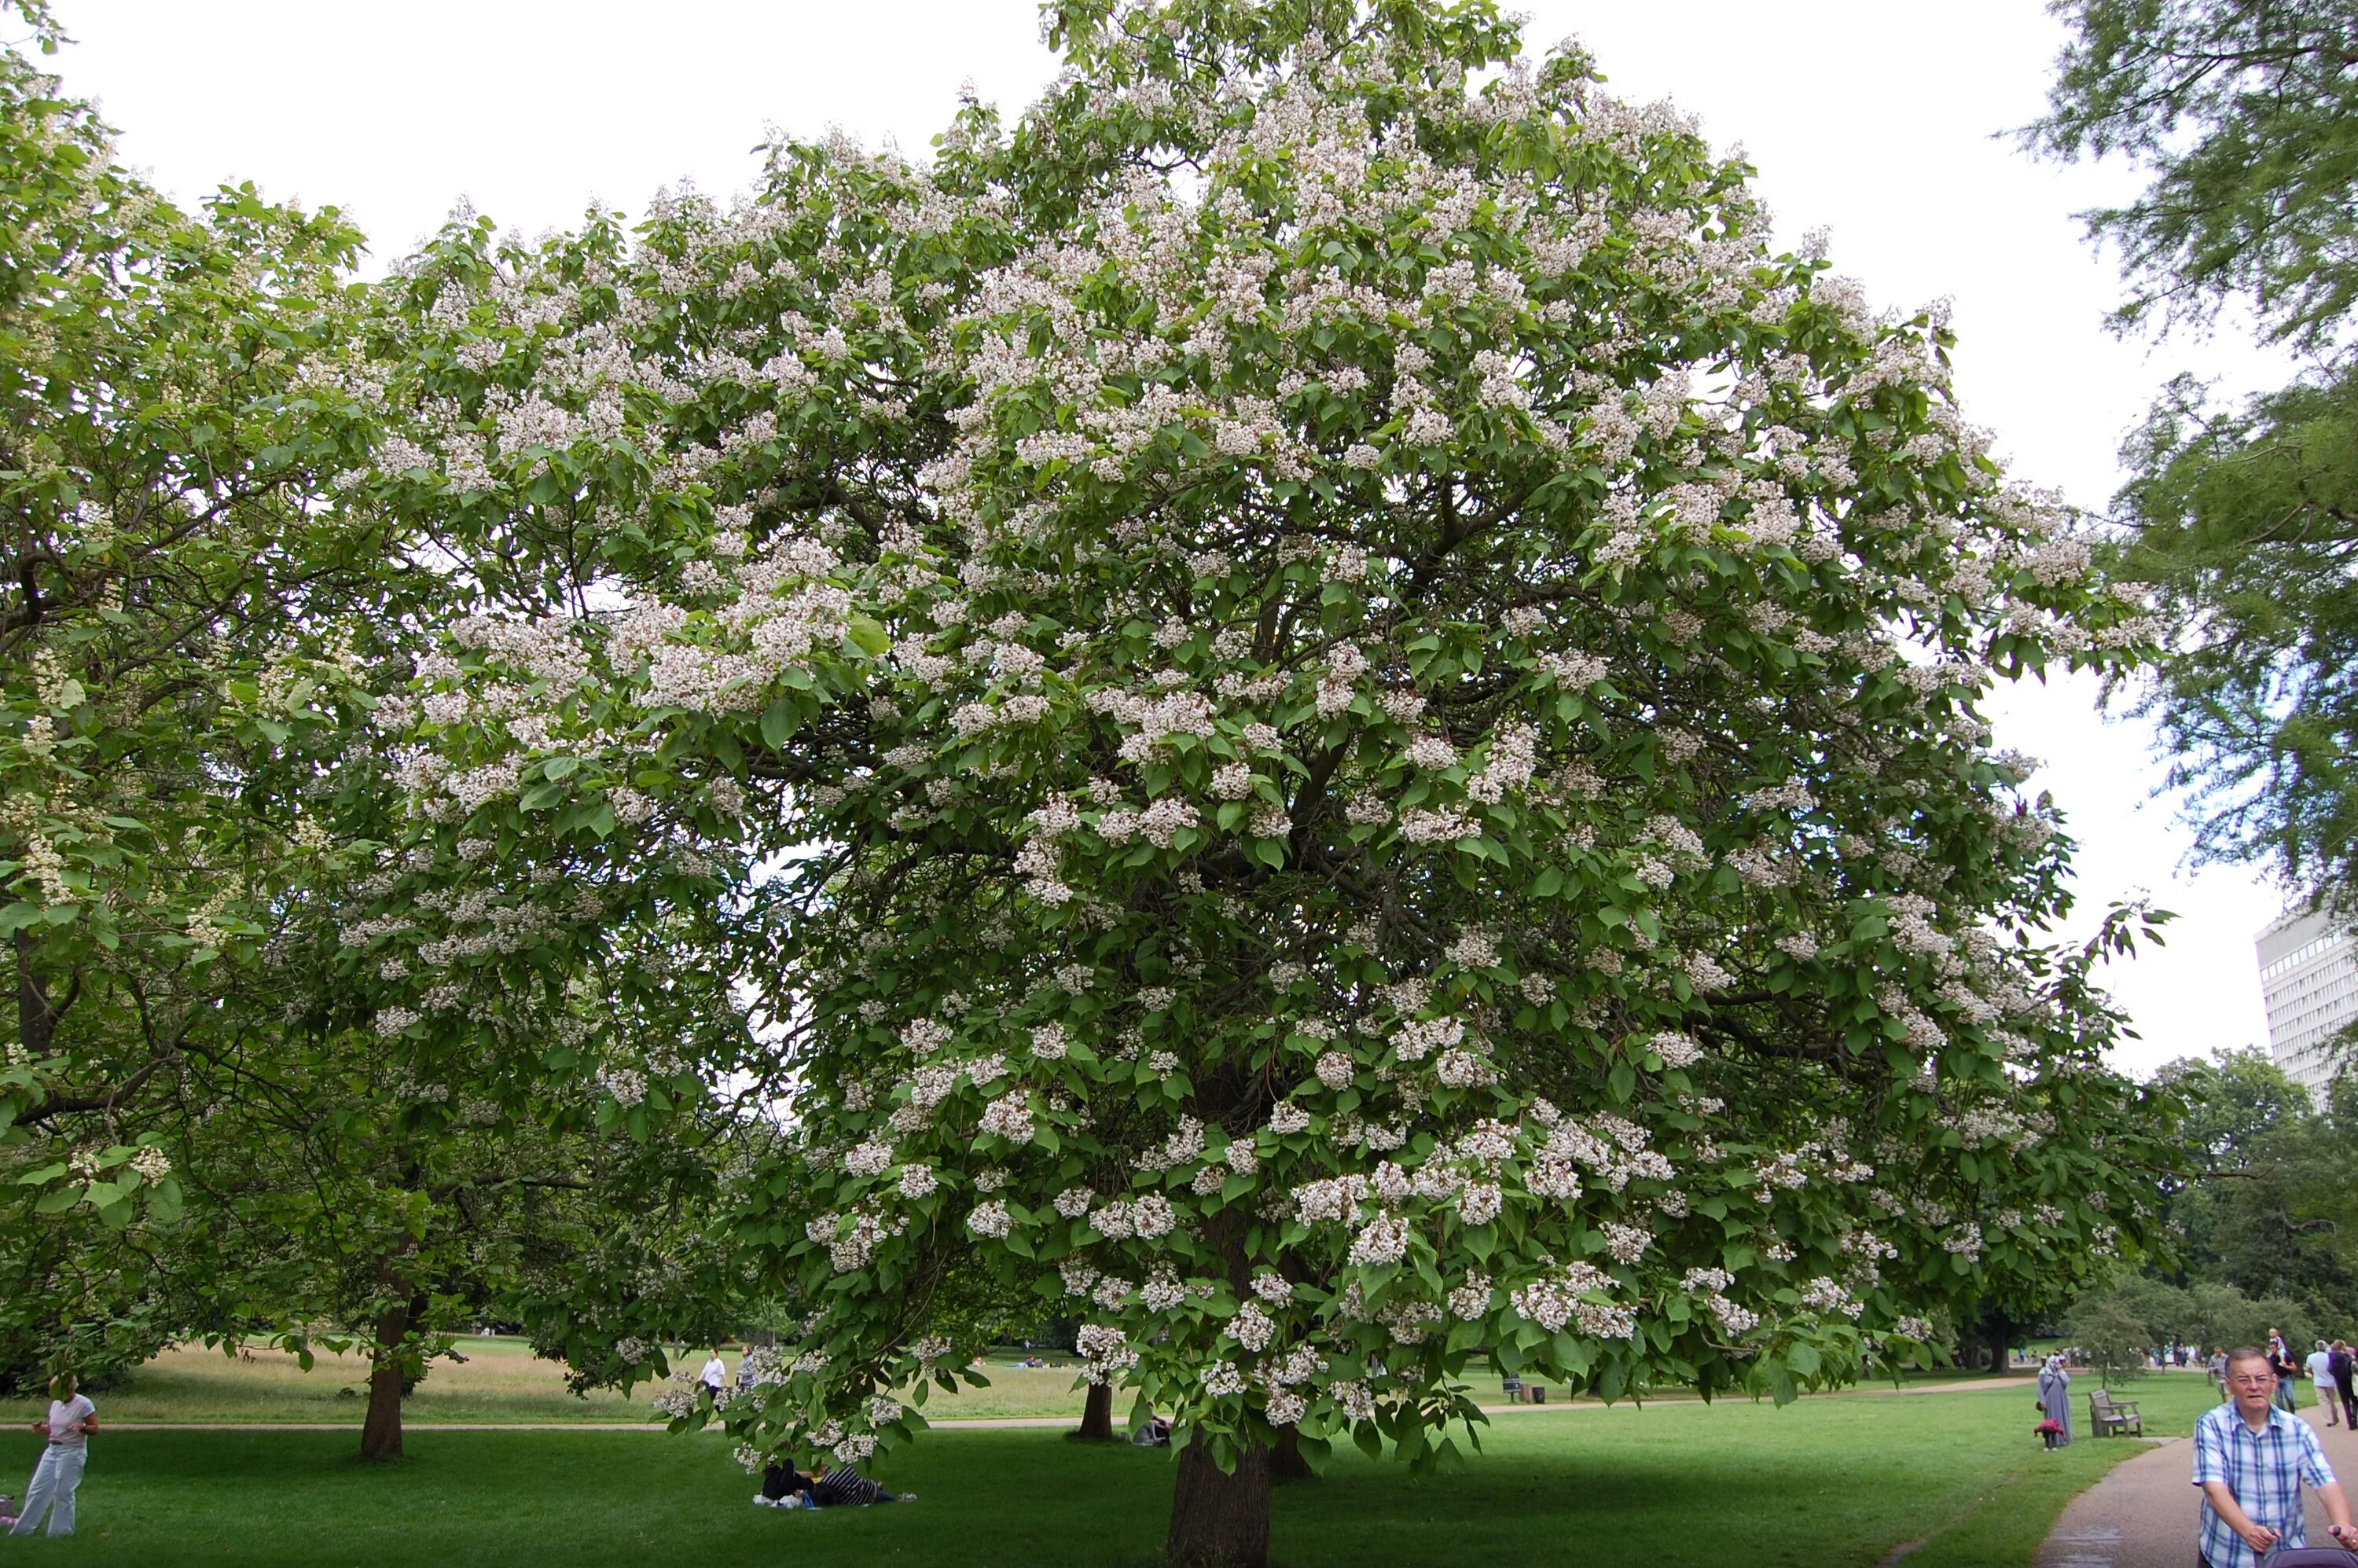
{"x":1383,"y":1240}
{"x":1431,"y":751}
{"x":1675,"y":1049}
{"x":1008,"y":1117}
{"x":1222,"y":1380}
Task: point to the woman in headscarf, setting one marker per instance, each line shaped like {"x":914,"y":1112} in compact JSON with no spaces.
{"x":2055,"y":1396}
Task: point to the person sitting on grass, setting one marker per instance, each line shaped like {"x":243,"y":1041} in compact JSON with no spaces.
{"x":829,"y":1486}
{"x":71,"y":1420}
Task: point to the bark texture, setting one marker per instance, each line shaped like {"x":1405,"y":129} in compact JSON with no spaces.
{"x":381,"y":1432}
{"x":1285,"y":1461}
{"x":1220,"y":1520}
{"x":1097,"y":1416}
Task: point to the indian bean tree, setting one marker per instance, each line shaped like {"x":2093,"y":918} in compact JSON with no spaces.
{"x":1335,"y":714}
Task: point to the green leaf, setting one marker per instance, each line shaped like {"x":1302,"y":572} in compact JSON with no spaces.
{"x":163,"y":1203}
{"x":780,"y":722}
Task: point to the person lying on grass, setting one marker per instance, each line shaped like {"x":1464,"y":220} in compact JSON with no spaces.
{"x":829,"y":1486}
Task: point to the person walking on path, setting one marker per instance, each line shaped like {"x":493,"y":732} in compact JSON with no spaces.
{"x":2341,"y":1363}
{"x":2282,"y":1362}
{"x":2218,"y":1364}
{"x":2321,"y":1377}
{"x":2250,"y":1459}
{"x":2055,"y":1398}
{"x":715,"y":1375}
{"x":72,"y":1418}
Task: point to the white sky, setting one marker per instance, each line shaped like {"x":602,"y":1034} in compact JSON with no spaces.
{"x":1879,"y":119}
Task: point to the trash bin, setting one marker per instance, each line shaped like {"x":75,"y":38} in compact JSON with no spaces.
{"x":1539,"y":1393}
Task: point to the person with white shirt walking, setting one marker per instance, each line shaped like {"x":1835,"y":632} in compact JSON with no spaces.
{"x":72,"y":1418}
{"x":2321,"y":1377}
{"x":715,"y":1375}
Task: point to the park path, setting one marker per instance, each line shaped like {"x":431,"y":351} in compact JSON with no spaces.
{"x":2142,"y":1514}
{"x":978,"y":1423}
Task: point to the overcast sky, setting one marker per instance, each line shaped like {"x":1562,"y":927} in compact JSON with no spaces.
{"x":1880,"y":121}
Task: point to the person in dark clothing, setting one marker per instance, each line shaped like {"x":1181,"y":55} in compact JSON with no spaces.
{"x":2287,"y":1367}
{"x":2341,"y":1367}
{"x":783,"y":1487}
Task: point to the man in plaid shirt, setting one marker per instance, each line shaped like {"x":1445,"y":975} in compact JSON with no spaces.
{"x":2250,"y":1458}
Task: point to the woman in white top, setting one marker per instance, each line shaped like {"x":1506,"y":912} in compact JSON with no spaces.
{"x":71,"y":1420}
{"x":2321,"y":1376}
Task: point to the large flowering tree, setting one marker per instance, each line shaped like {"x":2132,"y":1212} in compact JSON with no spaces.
{"x":1336,"y":716}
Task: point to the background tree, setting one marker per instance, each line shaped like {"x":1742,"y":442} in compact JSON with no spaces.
{"x":198,"y":1133}
{"x":2245,"y":114}
{"x":2259,"y":1208}
{"x":1337,"y":718}
{"x":172,"y":680}
{"x":2111,"y":1338}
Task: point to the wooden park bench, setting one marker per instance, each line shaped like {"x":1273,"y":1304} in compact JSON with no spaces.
{"x":2113,"y":1418}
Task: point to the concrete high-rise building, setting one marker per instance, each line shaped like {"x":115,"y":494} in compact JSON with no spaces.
{"x":2308,"y":979}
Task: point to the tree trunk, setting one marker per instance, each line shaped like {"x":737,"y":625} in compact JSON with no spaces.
{"x":1285,"y":1461}
{"x":1217,"y":1520}
{"x":2001,"y":1335}
{"x":1097,"y":1416}
{"x":381,"y":1432}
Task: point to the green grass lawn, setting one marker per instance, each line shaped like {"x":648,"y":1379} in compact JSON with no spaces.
{"x":1822,"y":1484}
{"x":499,"y":1381}
{"x":502,"y":1381}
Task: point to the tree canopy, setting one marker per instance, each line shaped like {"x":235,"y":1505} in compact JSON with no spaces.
{"x":1335,"y":715}
{"x":199,"y":1136}
{"x":1304,"y":704}
{"x":2244,"y":113}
